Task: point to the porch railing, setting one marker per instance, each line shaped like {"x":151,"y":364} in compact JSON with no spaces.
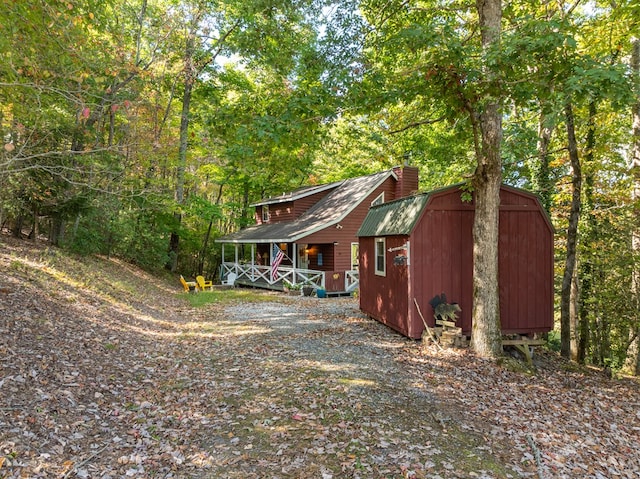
{"x":262,"y":274}
{"x":351,"y":280}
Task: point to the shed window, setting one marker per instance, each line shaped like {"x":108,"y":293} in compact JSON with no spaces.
{"x":265,"y":213}
{"x":380,"y":256}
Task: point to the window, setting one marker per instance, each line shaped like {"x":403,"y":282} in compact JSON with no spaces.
{"x":380,"y":256}
{"x":379,"y":200}
{"x":265,"y":213}
{"x":355,"y":253}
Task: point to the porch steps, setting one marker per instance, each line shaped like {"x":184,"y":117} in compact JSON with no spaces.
{"x":336,"y":294}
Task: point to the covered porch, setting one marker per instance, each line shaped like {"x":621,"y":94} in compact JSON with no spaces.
{"x":279,"y":266}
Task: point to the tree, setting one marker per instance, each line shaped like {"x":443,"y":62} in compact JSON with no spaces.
{"x":432,"y":58}
{"x":633,"y":358}
{"x":486,"y":333}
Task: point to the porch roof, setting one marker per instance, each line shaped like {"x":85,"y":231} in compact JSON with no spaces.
{"x":327,"y":212}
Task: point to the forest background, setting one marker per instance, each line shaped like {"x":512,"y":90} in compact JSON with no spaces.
{"x":143,"y":129}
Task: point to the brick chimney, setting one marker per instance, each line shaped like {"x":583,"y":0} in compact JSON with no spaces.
{"x":407,"y":183}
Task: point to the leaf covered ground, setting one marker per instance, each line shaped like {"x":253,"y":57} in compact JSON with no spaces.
{"x":109,"y":372}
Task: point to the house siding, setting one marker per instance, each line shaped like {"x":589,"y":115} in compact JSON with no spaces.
{"x":289,"y":210}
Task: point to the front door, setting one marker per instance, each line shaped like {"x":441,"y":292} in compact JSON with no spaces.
{"x":303,"y":256}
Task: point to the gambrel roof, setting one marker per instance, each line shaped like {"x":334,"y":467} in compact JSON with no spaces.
{"x":329,"y":211}
{"x":393,"y":218}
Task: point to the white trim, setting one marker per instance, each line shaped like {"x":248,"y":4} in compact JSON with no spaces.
{"x":383,"y":242}
{"x":355,"y":264}
{"x":296,"y":196}
{"x":379,"y":200}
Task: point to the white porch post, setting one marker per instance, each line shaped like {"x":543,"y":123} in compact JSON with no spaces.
{"x":235,"y":268}
{"x":294,"y":261}
{"x":271,"y":258}
{"x":253,"y":258}
{"x":222,"y":267}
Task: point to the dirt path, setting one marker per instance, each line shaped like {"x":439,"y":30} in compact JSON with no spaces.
{"x":108,"y":372}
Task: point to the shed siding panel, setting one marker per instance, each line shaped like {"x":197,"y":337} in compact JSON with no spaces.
{"x":526,"y":274}
{"x":441,"y":254}
{"x":386,"y":299}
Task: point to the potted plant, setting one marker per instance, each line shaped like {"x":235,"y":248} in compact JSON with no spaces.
{"x":291,"y":288}
{"x":307,"y":289}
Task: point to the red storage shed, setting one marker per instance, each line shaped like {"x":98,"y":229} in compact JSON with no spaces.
{"x":422,"y":246}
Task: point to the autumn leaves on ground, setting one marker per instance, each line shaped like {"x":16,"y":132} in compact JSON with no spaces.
{"x":107,"y":372}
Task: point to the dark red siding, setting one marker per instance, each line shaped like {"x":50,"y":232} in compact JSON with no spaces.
{"x":289,"y":210}
{"x":441,"y":261}
{"x":386,"y":297}
{"x":407,"y":183}
{"x":277,"y":213}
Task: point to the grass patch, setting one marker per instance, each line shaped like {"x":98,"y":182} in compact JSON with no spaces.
{"x":225,"y":296}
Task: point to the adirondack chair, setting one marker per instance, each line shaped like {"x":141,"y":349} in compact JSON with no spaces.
{"x":230,"y":280}
{"x":189,"y":286}
{"x":203,"y":284}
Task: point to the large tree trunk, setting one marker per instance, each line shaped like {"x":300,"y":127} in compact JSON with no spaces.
{"x":572,"y":235}
{"x":633,"y":352}
{"x":486,"y":334}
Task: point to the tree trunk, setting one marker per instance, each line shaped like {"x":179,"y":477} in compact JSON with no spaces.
{"x":632,"y":363}
{"x":189,"y":80}
{"x":486,"y":333}
{"x":36,"y":225}
{"x":205,"y":242}
{"x":542,"y":182}
{"x":574,"y":314}
{"x":589,"y":237}
{"x":572,"y":235}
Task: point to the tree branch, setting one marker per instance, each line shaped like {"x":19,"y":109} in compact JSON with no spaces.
{"x":418,"y":123}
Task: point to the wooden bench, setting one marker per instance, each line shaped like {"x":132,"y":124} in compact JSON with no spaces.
{"x":524,"y":345}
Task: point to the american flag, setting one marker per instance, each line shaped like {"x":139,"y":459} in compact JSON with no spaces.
{"x":277,"y":257}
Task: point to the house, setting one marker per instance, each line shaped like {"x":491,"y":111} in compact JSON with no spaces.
{"x":309,"y":235}
{"x":421,"y":246}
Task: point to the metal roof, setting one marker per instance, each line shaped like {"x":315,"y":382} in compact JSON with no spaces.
{"x":394,"y":218}
{"x":330,"y":210}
